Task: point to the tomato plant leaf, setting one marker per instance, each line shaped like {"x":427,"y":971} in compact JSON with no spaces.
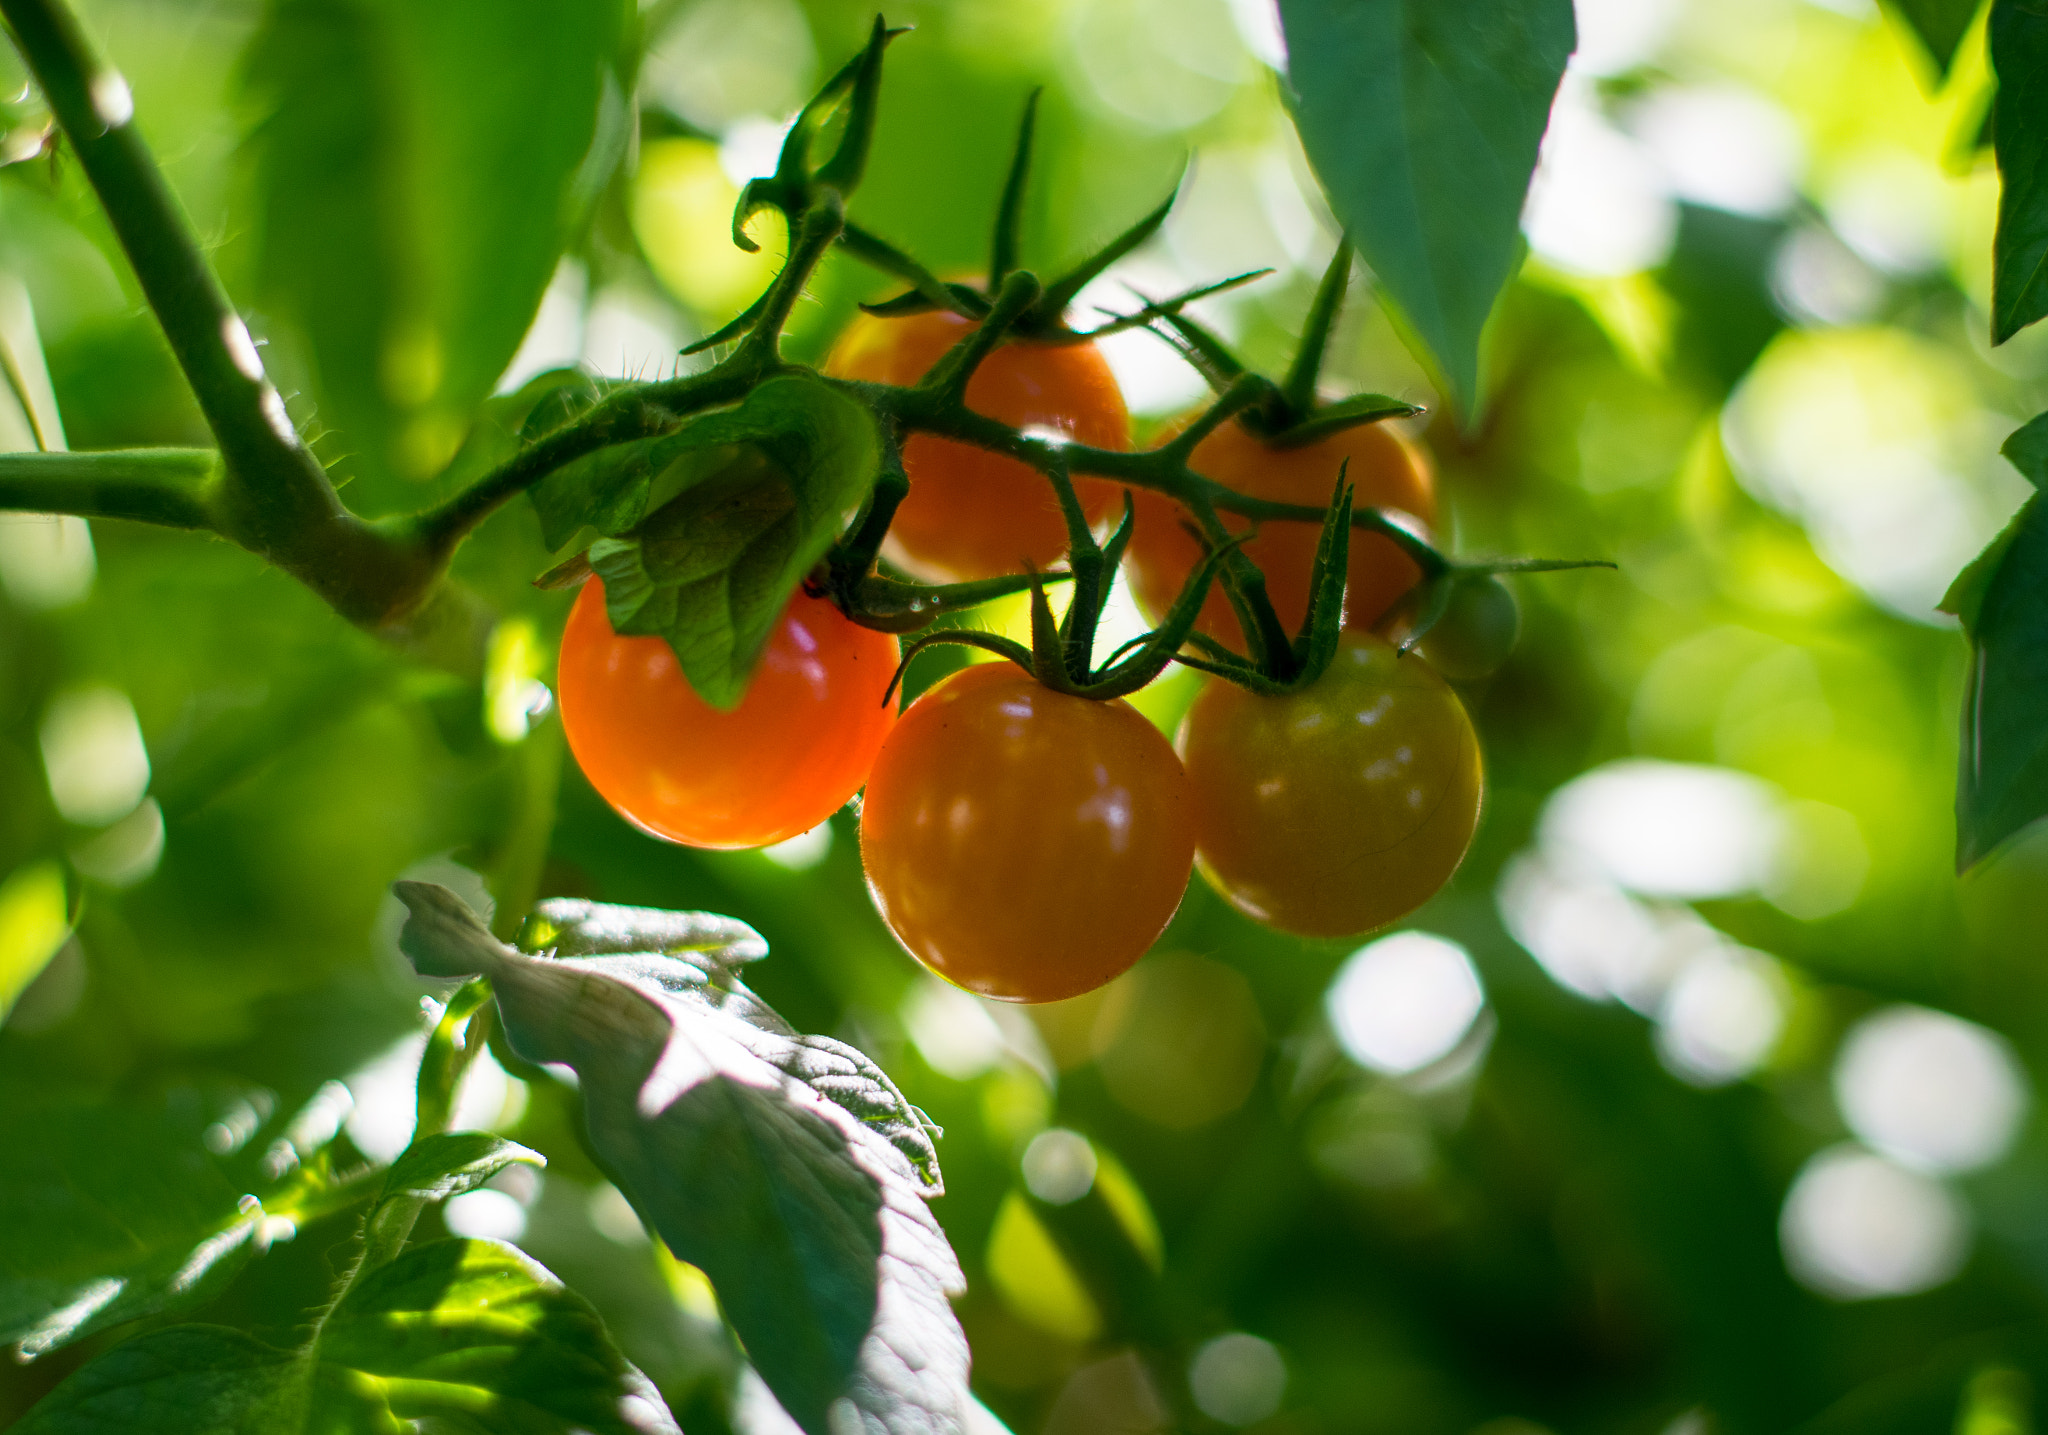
{"x":472,"y":1333}
{"x":421,"y":169}
{"x":116,"y":1211}
{"x":2026,"y":449}
{"x":1422,"y":119}
{"x":1939,"y":26}
{"x":451,"y":1162}
{"x":2019,"y":251}
{"x":710,"y":529}
{"x":787,"y":1167}
{"x":2004,"y":779}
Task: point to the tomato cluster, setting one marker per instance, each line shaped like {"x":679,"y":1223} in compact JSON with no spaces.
{"x":1030,"y":844}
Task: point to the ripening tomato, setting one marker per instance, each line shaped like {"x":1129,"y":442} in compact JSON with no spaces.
{"x":1339,"y":808}
{"x":1387,"y":471}
{"x":796,"y":748}
{"x":1477,"y":631}
{"x":1022,"y":843}
{"x":974,"y":514}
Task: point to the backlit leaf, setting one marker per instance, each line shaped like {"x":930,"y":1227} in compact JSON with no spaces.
{"x":470,"y":1335}
{"x":1422,"y":119}
{"x":114,"y":1211}
{"x":421,"y":168}
{"x":712,"y":527}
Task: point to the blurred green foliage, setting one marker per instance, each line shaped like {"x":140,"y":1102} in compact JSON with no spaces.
{"x":1781,"y":417}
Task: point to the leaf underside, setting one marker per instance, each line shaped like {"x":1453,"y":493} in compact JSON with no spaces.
{"x":787,"y":1167}
{"x":707,"y":531}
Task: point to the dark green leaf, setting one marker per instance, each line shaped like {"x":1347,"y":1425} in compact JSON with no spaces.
{"x":421,"y":168}
{"x":2019,"y":252}
{"x":2026,"y":449}
{"x":738,"y":506}
{"x":112,"y":1212}
{"x":1422,"y":118}
{"x":471,"y":1333}
{"x":1965,"y":596}
{"x":451,"y":1162}
{"x":1939,"y":25}
{"x":2004,"y":780}
{"x":788,"y":1167}
{"x":188,"y":1378}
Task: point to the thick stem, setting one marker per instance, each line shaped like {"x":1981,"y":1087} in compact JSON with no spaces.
{"x":91,"y":101}
{"x":173,"y":487}
{"x":273,"y":497}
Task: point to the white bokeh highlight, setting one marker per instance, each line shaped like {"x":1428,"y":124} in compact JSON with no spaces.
{"x":93,"y":755}
{"x":1722,"y":1017}
{"x":1667,"y":829}
{"x":1856,"y":1226}
{"x":485,"y":1215}
{"x":1930,"y":1090}
{"x":1722,"y":145}
{"x":1059,"y":1166}
{"x":1237,"y":1379}
{"x":1404,"y":1002}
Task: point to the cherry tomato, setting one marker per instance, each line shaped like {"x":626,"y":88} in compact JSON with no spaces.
{"x":1476,"y":632}
{"x":971,"y":513}
{"x":1339,"y":808}
{"x":1387,"y":471}
{"x":796,"y":748}
{"x":1021,"y":843}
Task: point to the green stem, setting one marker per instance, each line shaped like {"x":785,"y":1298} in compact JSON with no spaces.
{"x":1160,"y":469}
{"x":274,"y":497}
{"x":91,"y":101}
{"x":172,"y":487}
{"x":639,"y":412}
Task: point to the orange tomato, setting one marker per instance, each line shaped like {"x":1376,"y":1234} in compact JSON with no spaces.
{"x":1387,"y":471}
{"x":974,"y":514}
{"x":1342,"y":807}
{"x":1022,"y":843}
{"x":796,"y":748}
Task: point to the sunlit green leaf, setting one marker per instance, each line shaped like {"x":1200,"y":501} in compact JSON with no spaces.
{"x":787,"y":1167}
{"x":114,"y":1211}
{"x":471,"y":1333}
{"x":2004,"y":780}
{"x":1422,"y":119}
{"x":719,"y":521}
{"x":2019,"y":254}
{"x":34,"y":923}
{"x":451,"y":1162}
{"x":421,"y":168}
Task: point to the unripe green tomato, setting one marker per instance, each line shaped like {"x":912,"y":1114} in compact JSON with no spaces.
{"x":1477,"y":631}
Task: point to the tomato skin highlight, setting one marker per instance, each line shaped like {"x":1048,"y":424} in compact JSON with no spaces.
{"x":1386,"y":471}
{"x":799,"y":744}
{"x":1022,"y":843}
{"x":1338,"y":809}
{"x":974,"y":514}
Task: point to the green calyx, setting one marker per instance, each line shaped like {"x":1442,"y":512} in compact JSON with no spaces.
{"x":1287,"y":414}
